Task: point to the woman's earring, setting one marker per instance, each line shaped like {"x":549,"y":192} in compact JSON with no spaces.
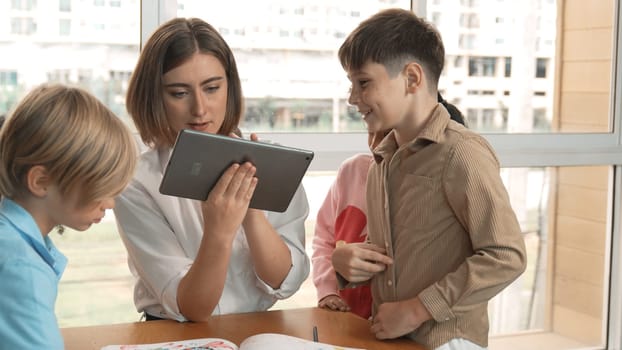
{"x":60,"y":229}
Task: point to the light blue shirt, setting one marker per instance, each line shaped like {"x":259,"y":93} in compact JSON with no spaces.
{"x":30,"y":268}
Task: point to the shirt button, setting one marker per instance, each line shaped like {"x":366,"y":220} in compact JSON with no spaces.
{"x":390,"y":283}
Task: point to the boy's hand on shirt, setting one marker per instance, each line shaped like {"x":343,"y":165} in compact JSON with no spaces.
{"x":396,"y":319}
{"x":358,"y":262}
{"x":333,"y":302}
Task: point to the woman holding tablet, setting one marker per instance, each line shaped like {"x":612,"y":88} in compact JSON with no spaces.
{"x":193,"y":259}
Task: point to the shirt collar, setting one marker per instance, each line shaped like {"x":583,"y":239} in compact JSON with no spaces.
{"x":21,"y":219}
{"x":432,"y":132}
{"x":28,"y":229}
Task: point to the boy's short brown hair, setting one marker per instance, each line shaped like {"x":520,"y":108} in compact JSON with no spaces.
{"x":392,"y":38}
{"x":169,"y":46}
{"x":81,"y":143}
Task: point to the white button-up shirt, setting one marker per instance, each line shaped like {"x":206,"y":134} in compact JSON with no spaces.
{"x":163,"y":233}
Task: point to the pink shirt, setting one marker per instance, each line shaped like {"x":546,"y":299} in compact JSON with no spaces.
{"x":342,"y":216}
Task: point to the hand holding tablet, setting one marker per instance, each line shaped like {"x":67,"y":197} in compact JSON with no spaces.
{"x":199,"y":159}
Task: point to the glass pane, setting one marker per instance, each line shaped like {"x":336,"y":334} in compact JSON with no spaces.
{"x":563,"y":215}
{"x":93,"y":45}
{"x":286,"y":52}
{"x":563,"y":293}
{"x":510,"y":52}
{"x":97,"y":286}
{"x":287,"y":57}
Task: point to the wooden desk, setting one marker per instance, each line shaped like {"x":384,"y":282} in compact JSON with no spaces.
{"x":338,"y":328}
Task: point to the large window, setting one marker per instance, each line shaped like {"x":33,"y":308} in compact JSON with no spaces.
{"x":45,"y":41}
{"x":544,"y":105}
{"x":287,"y":56}
{"x":539,"y":78}
{"x":42,"y":45}
{"x":564,"y":223}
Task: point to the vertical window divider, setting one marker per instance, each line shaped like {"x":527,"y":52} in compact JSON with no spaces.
{"x":152,"y":14}
{"x":614,"y":306}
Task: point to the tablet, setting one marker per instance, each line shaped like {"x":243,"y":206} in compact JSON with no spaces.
{"x":199,"y":159}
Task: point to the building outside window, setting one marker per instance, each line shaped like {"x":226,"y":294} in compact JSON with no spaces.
{"x":64,"y":27}
{"x":560,"y":161}
{"x":23,"y":26}
{"x":541,"y":65}
{"x":25,"y":5}
{"x":482,"y":66}
{"x":64,"y":5}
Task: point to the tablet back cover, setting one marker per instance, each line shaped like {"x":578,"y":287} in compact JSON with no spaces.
{"x":199,"y":159}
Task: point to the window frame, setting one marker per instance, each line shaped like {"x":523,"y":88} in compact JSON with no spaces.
{"x":514,"y":150}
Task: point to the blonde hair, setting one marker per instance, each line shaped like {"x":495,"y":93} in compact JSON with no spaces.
{"x":83,"y":146}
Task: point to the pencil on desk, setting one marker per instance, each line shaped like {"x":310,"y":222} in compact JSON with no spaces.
{"x":315,"y":334}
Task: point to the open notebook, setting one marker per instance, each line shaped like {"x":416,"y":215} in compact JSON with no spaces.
{"x":264,"y":341}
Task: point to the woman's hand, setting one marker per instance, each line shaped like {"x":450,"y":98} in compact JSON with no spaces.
{"x":333,"y":302}
{"x":223,"y":211}
{"x":251,"y":212}
{"x":227,"y":203}
{"x":358,"y":262}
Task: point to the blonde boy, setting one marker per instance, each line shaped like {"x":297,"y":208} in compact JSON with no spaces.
{"x":63,"y":157}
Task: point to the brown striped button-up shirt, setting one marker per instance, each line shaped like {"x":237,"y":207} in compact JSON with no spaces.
{"x":439,"y":207}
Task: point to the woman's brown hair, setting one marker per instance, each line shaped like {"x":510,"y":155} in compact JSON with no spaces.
{"x":169,"y":46}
